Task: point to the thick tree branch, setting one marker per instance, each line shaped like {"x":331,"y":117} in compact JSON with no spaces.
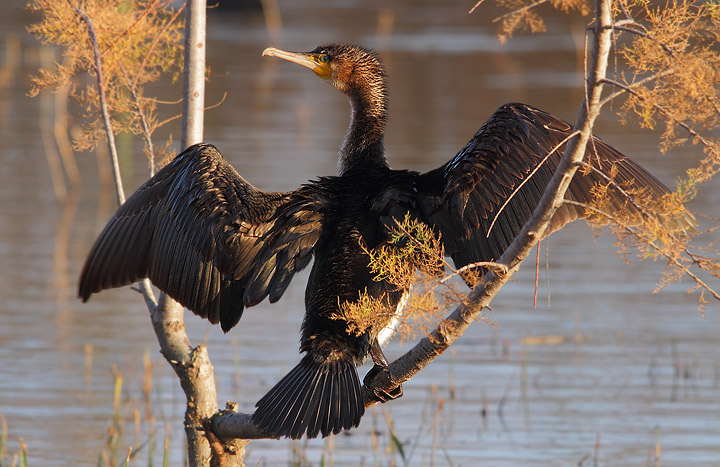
{"x":231,"y":424}
{"x":192,"y":364}
{"x":194,"y":72}
{"x":452,"y":327}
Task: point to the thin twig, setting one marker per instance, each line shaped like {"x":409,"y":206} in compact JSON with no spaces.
{"x":420,"y":244}
{"x":519,"y":10}
{"x":697,"y":136}
{"x":168,"y":120}
{"x":620,"y":85}
{"x":135,"y":23}
{"x":634,"y":232}
{"x":498,"y":267}
{"x":164,"y":102}
{"x":642,"y":33}
{"x":630,"y":26}
{"x":480,"y":2}
{"x":625,"y":11}
{"x":616,"y":186}
{"x":527,"y":178}
{"x":155,"y":42}
{"x":629,"y":87}
{"x":147,"y":134}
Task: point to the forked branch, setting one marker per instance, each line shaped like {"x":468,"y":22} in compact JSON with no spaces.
{"x":465,"y":314}
{"x":455,"y":324}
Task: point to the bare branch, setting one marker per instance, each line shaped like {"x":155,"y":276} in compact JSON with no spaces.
{"x":120,"y":193}
{"x":212,"y":106}
{"x":640,"y":31}
{"x":629,"y":87}
{"x":501,"y":268}
{"x":480,"y":2}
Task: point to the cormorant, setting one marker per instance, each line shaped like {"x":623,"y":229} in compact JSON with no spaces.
{"x":217,"y":244}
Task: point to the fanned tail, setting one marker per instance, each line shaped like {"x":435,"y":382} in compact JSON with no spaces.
{"x":315,"y":397}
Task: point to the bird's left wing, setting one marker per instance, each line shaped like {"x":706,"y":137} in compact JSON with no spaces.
{"x":481,"y":198}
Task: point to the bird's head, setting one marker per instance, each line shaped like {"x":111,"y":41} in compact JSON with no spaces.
{"x":349,"y":68}
{"x":358,"y":73}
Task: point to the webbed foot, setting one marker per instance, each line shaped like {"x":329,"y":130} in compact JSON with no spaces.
{"x":380,"y":375}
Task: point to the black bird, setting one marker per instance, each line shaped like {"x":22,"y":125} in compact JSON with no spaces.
{"x":217,"y":244}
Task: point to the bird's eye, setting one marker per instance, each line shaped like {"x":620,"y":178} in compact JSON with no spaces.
{"x":323,"y":58}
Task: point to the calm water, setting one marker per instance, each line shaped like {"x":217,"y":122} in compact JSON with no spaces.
{"x":631,"y":369}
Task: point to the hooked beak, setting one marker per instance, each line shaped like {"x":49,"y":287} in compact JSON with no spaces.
{"x":308,"y":60}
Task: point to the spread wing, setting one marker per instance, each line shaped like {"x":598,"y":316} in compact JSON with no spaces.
{"x":206,"y":237}
{"x":463,"y":197}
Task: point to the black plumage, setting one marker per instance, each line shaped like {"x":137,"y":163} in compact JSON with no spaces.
{"x":217,"y":244}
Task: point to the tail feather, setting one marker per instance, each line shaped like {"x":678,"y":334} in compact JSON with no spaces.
{"x":278,"y":403}
{"x":320,"y":399}
{"x":313,"y":398}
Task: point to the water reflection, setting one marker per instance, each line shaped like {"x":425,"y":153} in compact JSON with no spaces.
{"x":629,"y":368}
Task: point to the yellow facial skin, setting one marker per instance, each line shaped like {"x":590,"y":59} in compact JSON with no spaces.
{"x":319,"y":63}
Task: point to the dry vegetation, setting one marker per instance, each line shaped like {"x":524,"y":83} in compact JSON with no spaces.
{"x":139,"y":42}
{"x":412,"y":259}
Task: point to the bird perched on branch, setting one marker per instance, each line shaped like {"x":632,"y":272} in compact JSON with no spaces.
{"x":217,"y":244}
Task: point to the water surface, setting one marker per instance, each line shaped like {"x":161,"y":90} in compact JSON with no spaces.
{"x":629,"y":369}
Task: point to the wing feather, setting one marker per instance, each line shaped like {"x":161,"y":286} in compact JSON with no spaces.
{"x":464,"y":197}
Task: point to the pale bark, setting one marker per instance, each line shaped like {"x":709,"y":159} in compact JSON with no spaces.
{"x":194,"y":73}
{"x":192,"y":364}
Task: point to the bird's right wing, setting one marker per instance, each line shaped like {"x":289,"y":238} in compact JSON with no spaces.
{"x":206,"y":237}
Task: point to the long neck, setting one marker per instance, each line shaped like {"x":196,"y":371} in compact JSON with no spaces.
{"x":363,"y":145}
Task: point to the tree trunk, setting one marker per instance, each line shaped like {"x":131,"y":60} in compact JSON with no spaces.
{"x":192,"y":364}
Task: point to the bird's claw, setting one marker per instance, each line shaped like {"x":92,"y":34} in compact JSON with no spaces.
{"x":379,"y":377}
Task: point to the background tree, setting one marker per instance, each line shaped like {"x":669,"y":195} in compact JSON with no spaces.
{"x":146,"y":54}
